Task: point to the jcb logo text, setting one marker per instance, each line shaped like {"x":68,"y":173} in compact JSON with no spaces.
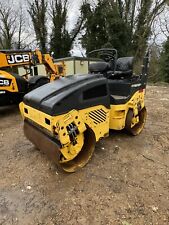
{"x":4,"y":83}
{"x":20,"y":58}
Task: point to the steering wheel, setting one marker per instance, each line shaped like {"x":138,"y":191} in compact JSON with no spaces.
{"x":106,"y":54}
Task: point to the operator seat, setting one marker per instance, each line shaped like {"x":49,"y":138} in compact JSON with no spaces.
{"x":99,"y":67}
{"x":121,"y":69}
{"x":120,"y":82}
{"x":124,"y":67}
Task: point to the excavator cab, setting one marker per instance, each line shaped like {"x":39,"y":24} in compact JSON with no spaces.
{"x":14,"y":86}
{"x":67,"y":117}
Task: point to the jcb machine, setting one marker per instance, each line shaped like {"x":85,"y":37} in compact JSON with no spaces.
{"x":67,"y":117}
{"x":12,"y":86}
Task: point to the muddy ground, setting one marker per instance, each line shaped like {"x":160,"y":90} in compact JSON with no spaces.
{"x":126,"y":182}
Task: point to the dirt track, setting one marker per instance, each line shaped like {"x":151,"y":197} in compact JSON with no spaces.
{"x":126,"y":182}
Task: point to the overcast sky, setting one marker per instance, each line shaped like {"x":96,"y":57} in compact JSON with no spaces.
{"x":74,"y":13}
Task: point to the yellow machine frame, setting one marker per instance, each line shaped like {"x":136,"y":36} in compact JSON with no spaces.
{"x":114,"y":118}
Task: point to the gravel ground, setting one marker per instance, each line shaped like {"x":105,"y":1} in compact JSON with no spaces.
{"x":125,"y":183}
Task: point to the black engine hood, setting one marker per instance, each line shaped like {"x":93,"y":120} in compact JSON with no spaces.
{"x":65,"y":94}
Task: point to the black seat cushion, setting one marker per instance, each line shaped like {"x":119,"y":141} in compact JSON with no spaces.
{"x":99,"y":67}
{"x":124,"y":67}
{"x":123,"y":73}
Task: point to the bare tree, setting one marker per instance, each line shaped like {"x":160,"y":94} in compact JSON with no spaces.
{"x":164,"y":23}
{"x":140,"y":15}
{"x":7,"y":26}
{"x":38,"y":12}
{"x":61,"y":39}
{"x":21,"y":26}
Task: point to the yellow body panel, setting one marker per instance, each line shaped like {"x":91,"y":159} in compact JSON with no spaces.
{"x":91,"y":117}
{"x":57,"y":122}
{"x":17,"y":59}
{"x":13,"y":86}
{"x":118,"y":113}
{"x":57,"y":126}
{"x":36,"y":116}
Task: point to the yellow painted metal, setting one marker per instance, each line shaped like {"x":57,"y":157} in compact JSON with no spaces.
{"x":52,"y":69}
{"x":118,"y":113}
{"x":135,"y":120}
{"x":13,"y":86}
{"x":58,"y":124}
{"x":115,"y":118}
{"x":72,"y":117}
{"x":37,"y":116}
{"x":135,"y":124}
{"x":100,"y":129}
{"x":58,"y":127}
{"x":4,"y":57}
{"x":98,"y":119}
{"x":70,"y":151}
{"x":26,"y":58}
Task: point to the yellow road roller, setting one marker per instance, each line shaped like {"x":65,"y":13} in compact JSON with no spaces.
{"x":67,"y":117}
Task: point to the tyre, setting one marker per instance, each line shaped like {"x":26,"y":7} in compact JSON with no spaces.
{"x":136,"y":128}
